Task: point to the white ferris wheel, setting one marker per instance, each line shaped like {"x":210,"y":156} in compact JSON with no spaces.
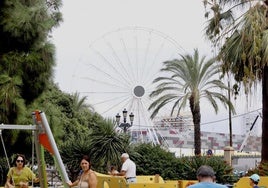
{"x":117,"y":70}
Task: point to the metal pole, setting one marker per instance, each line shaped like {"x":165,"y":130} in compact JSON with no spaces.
{"x":55,"y":150}
{"x":40,"y":153}
{"x":247,"y":135}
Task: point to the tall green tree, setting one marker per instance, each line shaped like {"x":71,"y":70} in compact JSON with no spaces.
{"x":242,"y":39}
{"x":26,"y":54}
{"x":191,"y":78}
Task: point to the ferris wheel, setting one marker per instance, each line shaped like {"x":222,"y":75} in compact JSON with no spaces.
{"x":117,"y":70}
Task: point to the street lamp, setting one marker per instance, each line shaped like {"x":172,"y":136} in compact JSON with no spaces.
{"x":124,"y":125}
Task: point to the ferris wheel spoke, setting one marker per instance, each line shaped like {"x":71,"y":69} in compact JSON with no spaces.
{"x":146,"y":113}
{"x":101,"y":82}
{"x":111,"y":77}
{"x":150,"y":128}
{"x":125,"y":71}
{"x":148,"y":78}
{"x":124,"y":100}
{"x":131,"y":106}
{"x":148,"y":45}
{"x":127,"y":56}
{"x":143,"y":116}
{"x":103,"y":92}
{"x":110,"y":65}
{"x":137,"y":52}
{"x":112,"y":99}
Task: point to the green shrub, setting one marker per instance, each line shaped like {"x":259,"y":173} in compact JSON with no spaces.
{"x":224,"y":172}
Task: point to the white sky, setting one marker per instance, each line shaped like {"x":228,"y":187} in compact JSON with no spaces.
{"x":87,"y":20}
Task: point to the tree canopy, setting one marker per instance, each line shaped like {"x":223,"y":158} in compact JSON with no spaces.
{"x":241,"y":36}
{"x":26,"y":53}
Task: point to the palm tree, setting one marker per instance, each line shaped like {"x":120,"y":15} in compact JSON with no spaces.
{"x":244,"y":51}
{"x":192,"y":78}
{"x":107,"y":144}
{"x":79,"y":103}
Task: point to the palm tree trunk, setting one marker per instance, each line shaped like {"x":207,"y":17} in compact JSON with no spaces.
{"x":195,"y":109}
{"x":230,"y":116}
{"x":264,"y":152}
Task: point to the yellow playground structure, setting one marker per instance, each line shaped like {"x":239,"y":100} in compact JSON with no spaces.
{"x":156,"y":181}
{"x":153,"y":181}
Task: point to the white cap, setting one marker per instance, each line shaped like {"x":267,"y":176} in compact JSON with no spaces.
{"x":255,"y":177}
{"x":125,"y":155}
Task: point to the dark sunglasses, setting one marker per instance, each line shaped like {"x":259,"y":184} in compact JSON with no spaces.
{"x":19,"y":161}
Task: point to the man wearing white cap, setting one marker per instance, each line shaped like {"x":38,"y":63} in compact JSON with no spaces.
{"x":128,"y":169}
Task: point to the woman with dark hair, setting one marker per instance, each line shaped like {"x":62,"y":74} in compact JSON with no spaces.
{"x":20,"y":175}
{"x":87,"y":178}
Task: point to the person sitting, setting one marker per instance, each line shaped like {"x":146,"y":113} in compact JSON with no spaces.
{"x":20,"y":175}
{"x":113,"y":171}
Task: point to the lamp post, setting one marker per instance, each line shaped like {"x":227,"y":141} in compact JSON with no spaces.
{"x":124,"y":125}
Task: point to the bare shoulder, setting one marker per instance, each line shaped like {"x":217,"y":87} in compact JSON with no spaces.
{"x":92,"y":173}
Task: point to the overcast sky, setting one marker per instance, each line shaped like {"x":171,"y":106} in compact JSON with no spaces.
{"x":86,"y":21}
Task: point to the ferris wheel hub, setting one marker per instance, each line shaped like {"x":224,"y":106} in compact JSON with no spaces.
{"x":138,"y":91}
